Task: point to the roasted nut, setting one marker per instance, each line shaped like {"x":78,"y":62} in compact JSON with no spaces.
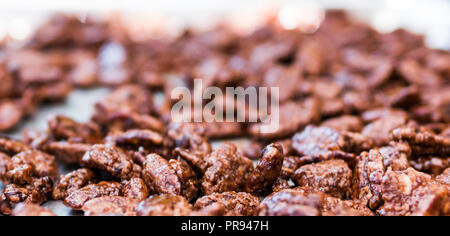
{"x":332,"y":177}
{"x":267,"y":171}
{"x":78,"y":198}
{"x":71,"y":182}
{"x":164,"y":205}
{"x":236,"y":204}
{"x":27,"y":209}
{"x":110,"y":159}
{"x":110,"y":206}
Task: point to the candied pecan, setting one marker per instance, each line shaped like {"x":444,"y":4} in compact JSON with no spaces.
{"x":399,"y":96}
{"x":293,"y":116}
{"x":411,"y":192}
{"x":4,"y":161}
{"x":78,"y":198}
{"x":71,"y":182}
{"x":136,"y":138}
{"x":368,"y":177}
{"x":123,"y":121}
{"x":64,"y":128}
{"x":26,"y":166}
{"x":267,"y":171}
{"x":217,"y":130}
{"x":127,"y":99}
{"x":7,"y":82}
{"x":160,"y":176}
{"x":311,"y":56}
{"x":187,"y":177}
{"x":38,"y":191}
{"x":110,"y":159}
{"x":164,"y":205}
{"x":284,"y":78}
{"x":423,"y":142}
{"x":63,"y":30}
{"x":68,"y":153}
{"x":332,"y":177}
{"x":344,"y":123}
{"x":290,"y":202}
{"x":436,"y":106}
{"x":280,"y":184}
{"x":375,"y":114}
{"x":30,"y":209}
{"x":83,"y":71}
{"x":416,"y":73}
{"x":227,"y":170}
{"x":52,"y":92}
{"x":431,"y":165}
{"x":396,"y":156}
{"x":380,"y":130}
{"x":326,"y":89}
{"x":189,"y":136}
{"x":10,"y":115}
{"x":356,"y":101}
{"x":317,"y":141}
{"x":35,"y":139}
{"x":124,"y":106}
{"x":110,"y":206}
{"x":135,"y":188}
{"x":290,"y":165}
{"x":332,"y":106}
{"x":12,"y":147}
{"x":323,"y":143}
{"x":332,"y":206}
{"x":214,"y":209}
{"x":236,"y":204}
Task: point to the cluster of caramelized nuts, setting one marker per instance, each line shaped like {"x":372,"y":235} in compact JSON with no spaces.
{"x":364,"y":123}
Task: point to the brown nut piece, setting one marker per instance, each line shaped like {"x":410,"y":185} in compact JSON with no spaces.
{"x":187,"y":177}
{"x":135,"y":188}
{"x":110,"y":159}
{"x":133,"y":139}
{"x":160,"y":176}
{"x":323,"y":143}
{"x":10,"y":115}
{"x":332,"y":177}
{"x":29,"y":209}
{"x":68,"y":153}
{"x":379,"y":131}
{"x":71,"y":182}
{"x":78,"y":198}
{"x":110,"y":206}
{"x":4,"y":161}
{"x":236,"y":204}
{"x":423,"y":142}
{"x":411,"y":192}
{"x":26,"y":166}
{"x":267,"y":171}
{"x":189,"y":136}
{"x":290,"y":202}
{"x":38,"y":191}
{"x":164,"y":205}
{"x":12,"y":147}
{"x":64,"y":128}
{"x":227,"y":170}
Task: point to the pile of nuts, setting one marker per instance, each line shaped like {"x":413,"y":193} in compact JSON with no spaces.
{"x":364,"y":123}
